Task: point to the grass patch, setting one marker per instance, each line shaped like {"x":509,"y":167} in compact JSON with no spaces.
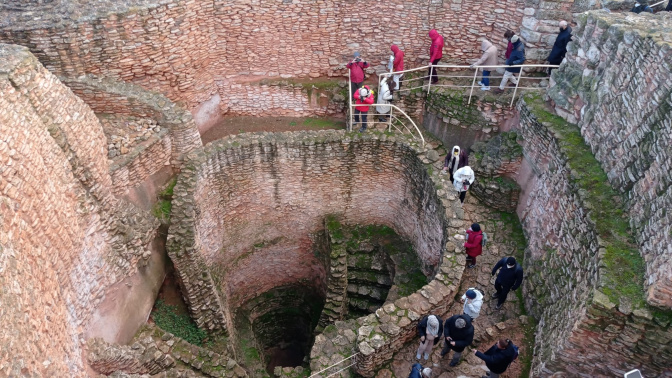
{"x":168,"y":318}
{"x":323,"y":123}
{"x":625,"y":268}
{"x":162,"y":208}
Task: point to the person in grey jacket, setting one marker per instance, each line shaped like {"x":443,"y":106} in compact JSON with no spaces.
{"x":489,"y":58}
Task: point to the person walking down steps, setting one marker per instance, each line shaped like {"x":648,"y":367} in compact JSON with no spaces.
{"x":474,"y":244}
{"x":430,"y":330}
{"x":489,"y":58}
{"x":462,"y":180}
{"x":454,"y":161}
{"x":397,"y":65}
{"x":517,"y":57}
{"x":509,"y":278}
{"x":435,"y":54}
{"x":385,"y":95}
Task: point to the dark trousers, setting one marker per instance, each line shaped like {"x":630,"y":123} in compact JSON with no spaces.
{"x":354,"y":87}
{"x":462,"y":195}
{"x":446,"y":349}
{"x":432,"y":71}
{"x":471,"y":259}
{"x":364,"y":115}
{"x":486,"y":78}
{"x":502,"y":293}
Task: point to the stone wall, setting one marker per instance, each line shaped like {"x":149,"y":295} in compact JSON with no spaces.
{"x":612,"y":85}
{"x":64,"y":238}
{"x":184,"y":49}
{"x":179,"y":134}
{"x":584,"y":277}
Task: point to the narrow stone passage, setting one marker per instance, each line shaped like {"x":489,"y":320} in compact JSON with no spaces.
{"x":505,"y":238}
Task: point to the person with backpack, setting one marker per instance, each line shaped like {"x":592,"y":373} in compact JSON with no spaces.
{"x":517,"y":57}
{"x":363,"y":98}
{"x":473,"y":301}
{"x":459,"y":334}
{"x":474,"y":244}
{"x":498,"y":357}
{"x":418,"y":372}
{"x":509,"y":278}
{"x":430,"y":329}
{"x":641,"y":6}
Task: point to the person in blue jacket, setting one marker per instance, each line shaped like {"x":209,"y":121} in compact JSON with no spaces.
{"x":418,"y":372}
{"x":509,"y":278}
{"x":498,"y":357}
{"x":517,"y":57}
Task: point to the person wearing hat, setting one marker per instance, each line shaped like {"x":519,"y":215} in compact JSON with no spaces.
{"x":435,"y":54}
{"x":418,"y":372}
{"x":641,"y":6}
{"x":459,"y":334}
{"x":398,"y":65}
{"x":430,"y":329}
{"x":356,"y":67}
{"x":473,"y":244}
{"x":363,"y":98}
{"x":473,"y":300}
{"x":509,"y":278}
{"x":489,"y":58}
{"x":517,"y":57}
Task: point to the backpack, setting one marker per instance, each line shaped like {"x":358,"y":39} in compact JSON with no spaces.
{"x":484,"y":239}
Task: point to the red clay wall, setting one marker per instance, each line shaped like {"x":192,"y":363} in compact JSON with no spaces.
{"x":64,"y":238}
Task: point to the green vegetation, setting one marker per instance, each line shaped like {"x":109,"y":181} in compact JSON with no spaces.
{"x":168,"y":318}
{"x":323,"y":123}
{"x":625,"y":268}
{"x":163,"y":206}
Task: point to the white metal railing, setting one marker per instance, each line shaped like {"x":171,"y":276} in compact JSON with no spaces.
{"x":392,"y":122}
{"x":335,"y":365}
{"x":658,"y":3}
{"x":429,"y":85}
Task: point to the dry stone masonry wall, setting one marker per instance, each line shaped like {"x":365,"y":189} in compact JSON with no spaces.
{"x":584,"y":275}
{"x":64,"y":238}
{"x":615,"y":85}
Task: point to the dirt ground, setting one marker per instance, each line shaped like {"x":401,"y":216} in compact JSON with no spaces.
{"x":249,"y":124}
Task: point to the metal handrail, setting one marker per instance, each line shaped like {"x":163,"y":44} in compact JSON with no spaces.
{"x":336,"y":364}
{"x":473,"y":83}
{"x":657,"y":4}
{"x":352,"y":106}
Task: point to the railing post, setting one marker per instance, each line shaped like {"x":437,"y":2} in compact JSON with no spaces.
{"x":389,"y":121}
{"x":516,"y":90}
{"x":472,"y":85}
{"x":429,"y":82}
{"x":350,"y":99}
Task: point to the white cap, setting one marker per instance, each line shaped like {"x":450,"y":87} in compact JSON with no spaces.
{"x":363,"y":92}
{"x":427,"y":372}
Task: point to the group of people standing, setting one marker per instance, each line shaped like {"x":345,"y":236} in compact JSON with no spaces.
{"x":457,"y":332}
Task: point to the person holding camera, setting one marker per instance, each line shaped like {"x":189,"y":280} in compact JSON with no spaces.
{"x":363,"y":98}
{"x":356,"y":67}
{"x":459,"y":334}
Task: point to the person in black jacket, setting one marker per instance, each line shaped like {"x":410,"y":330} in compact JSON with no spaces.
{"x":430,"y":330}
{"x":669,"y":6}
{"x":459,"y":333}
{"x":560,"y":46}
{"x":509,"y":278}
{"x":517,"y":57}
{"x":641,"y":6}
{"x":498,"y":357}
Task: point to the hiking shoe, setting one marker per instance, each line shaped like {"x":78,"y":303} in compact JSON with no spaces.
{"x":417,"y":356}
{"x":483,"y":88}
{"x":426,"y":356}
{"x":480,"y":83}
{"x":498,"y":306}
{"x":363,"y":129}
{"x":471,"y":266}
{"x":453,"y":363}
{"x":495,"y":295}
{"x":498,"y":90}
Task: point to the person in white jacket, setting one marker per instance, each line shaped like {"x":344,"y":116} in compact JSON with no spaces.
{"x":462,"y":180}
{"x":473,"y":300}
{"x":384,"y":96}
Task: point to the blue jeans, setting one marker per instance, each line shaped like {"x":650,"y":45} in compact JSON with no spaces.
{"x":486,"y":80}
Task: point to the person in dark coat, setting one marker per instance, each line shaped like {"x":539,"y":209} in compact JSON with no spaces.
{"x":455,"y":160}
{"x":498,"y":357}
{"x":509,"y":278}
{"x":430,"y":330}
{"x":356,"y":67}
{"x":473,"y":244}
{"x":418,"y":372}
{"x":669,"y":6}
{"x":641,"y":6}
{"x":517,"y":57}
{"x":459,"y":334}
{"x":560,"y":46}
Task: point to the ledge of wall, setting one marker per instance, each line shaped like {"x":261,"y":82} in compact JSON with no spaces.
{"x":585,"y":277}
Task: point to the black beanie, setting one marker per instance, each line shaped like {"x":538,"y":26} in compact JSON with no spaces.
{"x":511,"y":261}
{"x":475,"y":227}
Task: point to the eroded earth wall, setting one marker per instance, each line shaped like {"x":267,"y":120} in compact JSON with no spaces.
{"x":64,"y":238}
{"x":615,"y":84}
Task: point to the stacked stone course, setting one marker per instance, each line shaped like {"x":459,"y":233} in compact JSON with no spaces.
{"x":615,"y":86}
{"x":64,"y":238}
{"x":582,"y":331}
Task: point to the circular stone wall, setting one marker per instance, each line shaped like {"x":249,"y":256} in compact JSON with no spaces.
{"x":245,"y":208}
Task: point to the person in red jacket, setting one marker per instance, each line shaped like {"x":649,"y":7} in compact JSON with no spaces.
{"x":508,"y":34}
{"x":364,"y":98}
{"x":435,"y":53}
{"x":473,"y":244}
{"x":356,"y":67}
{"x":398,"y":65}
